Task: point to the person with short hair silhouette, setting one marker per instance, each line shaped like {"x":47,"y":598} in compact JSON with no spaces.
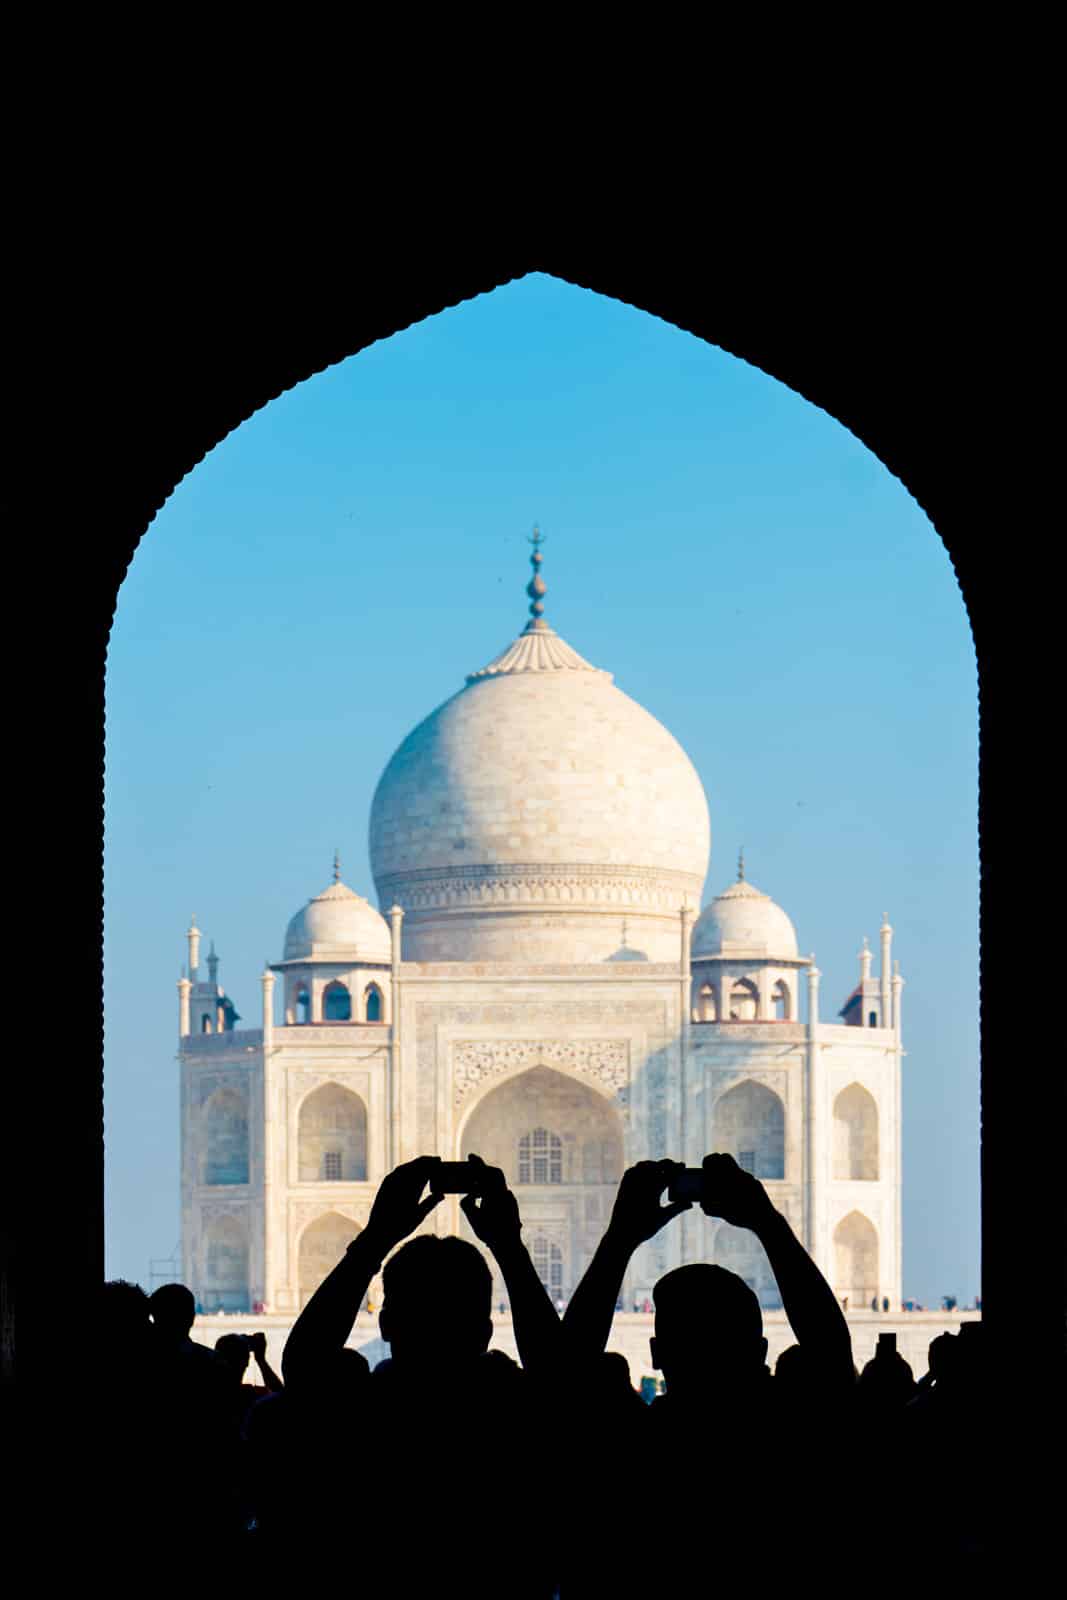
{"x":720,"y":1413}
{"x":194,"y":1421}
{"x":443,"y":1401}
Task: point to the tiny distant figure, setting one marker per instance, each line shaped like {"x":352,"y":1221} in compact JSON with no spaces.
{"x":561,"y":1304}
{"x":844,"y":1303}
{"x":885,"y":1302}
{"x":874,"y":1303}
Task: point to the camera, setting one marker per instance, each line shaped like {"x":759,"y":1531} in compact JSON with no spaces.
{"x":456,"y":1177}
{"x":887,"y":1345}
{"x":689,"y":1184}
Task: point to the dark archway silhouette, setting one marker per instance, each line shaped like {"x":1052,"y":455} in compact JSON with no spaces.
{"x":870,"y":320}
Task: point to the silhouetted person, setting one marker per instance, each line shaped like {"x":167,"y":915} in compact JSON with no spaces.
{"x":886,"y":1383}
{"x":445,"y":1417}
{"x":108,"y":1498}
{"x":316,"y":1417}
{"x":701,"y":1448}
{"x":194,"y":1421}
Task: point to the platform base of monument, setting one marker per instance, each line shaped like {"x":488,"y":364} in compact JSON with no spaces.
{"x":630,"y":1333}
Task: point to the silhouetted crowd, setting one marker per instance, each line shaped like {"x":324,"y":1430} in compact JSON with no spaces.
{"x":451,"y":1469}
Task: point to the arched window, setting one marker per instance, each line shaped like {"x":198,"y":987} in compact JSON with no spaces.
{"x":205,"y":1023}
{"x":748,"y":1123}
{"x":855,"y":1134}
{"x":332,"y":1137}
{"x":872,"y":1019}
{"x":782,"y":1001}
{"x":225,"y":1139}
{"x":322,"y":1244}
{"x":855,"y":1260}
{"x":540,"y":1157}
{"x":303,"y":1006}
{"x":336,"y":1003}
{"x":548,"y":1264}
{"x":705,"y":1007}
{"x":373,"y":1006}
{"x":744,"y":1001}
{"x":225,"y":1282}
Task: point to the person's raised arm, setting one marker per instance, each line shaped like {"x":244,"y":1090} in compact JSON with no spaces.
{"x":636,"y":1216}
{"x":810,"y":1304}
{"x":493,"y":1213}
{"x":329,"y":1316}
{"x":270,"y":1378}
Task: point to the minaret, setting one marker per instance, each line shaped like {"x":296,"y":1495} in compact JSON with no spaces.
{"x":865,"y":963}
{"x":185,"y":989}
{"x":811,"y":1069}
{"x":885,"y":969}
{"x":898,"y":984}
{"x":396,"y":919}
{"x":267,"y":982}
{"x":193,"y":936}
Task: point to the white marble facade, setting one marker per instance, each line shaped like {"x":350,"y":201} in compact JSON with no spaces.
{"x":539,"y":990}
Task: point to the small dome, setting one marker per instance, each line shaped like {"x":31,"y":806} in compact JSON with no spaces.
{"x":338,"y":925}
{"x":744,"y":922}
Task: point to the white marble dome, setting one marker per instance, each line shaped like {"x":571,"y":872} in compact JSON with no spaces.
{"x":529,"y":812}
{"x":338,"y":925}
{"x":742,"y":921}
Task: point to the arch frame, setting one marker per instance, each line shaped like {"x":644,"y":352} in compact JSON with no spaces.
{"x":618,"y":1099}
{"x":306,"y":1091}
{"x":190,"y":365}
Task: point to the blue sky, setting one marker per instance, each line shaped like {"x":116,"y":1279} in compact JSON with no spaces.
{"x":744,"y":566}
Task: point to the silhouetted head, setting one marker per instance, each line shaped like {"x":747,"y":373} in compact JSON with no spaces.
{"x":437,"y":1302}
{"x":234,"y":1353}
{"x":336,"y":1378}
{"x":123,"y":1322}
{"x":173,"y":1310}
{"x":615,"y":1373}
{"x":791,"y":1371}
{"x":940,"y":1355}
{"x":709,"y":1329}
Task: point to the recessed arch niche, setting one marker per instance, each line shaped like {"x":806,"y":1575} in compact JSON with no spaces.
{"x":322,"y":1244}
{"x":332,"y":1136}
{"x":561,"y":1146}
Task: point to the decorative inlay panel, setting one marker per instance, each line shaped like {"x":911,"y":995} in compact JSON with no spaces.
{"x":561,"y":884}
{"x":304,"y":1211}
{"x":206,"y":1083}
{"x":605,"y":1061}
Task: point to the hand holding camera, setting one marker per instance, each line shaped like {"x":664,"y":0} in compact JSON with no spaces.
{"x":257,"y":1343}
{"x":398,"y":1207}
{"x":637,"y":1214}
{"x":489,"y":1205}
{"x":723,"y":1189}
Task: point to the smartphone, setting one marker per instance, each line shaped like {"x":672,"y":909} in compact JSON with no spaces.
{"x":887,"y":1344}
{"x":687,"y":1185}
{"x":455,"y":1177}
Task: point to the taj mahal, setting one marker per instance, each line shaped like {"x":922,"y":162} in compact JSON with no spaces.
{"x":537,"y":983}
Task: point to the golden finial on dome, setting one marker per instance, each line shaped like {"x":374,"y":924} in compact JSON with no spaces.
{"x":741,"y":866}
{"x":536,"y":586}
{"x":337,"y":866}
